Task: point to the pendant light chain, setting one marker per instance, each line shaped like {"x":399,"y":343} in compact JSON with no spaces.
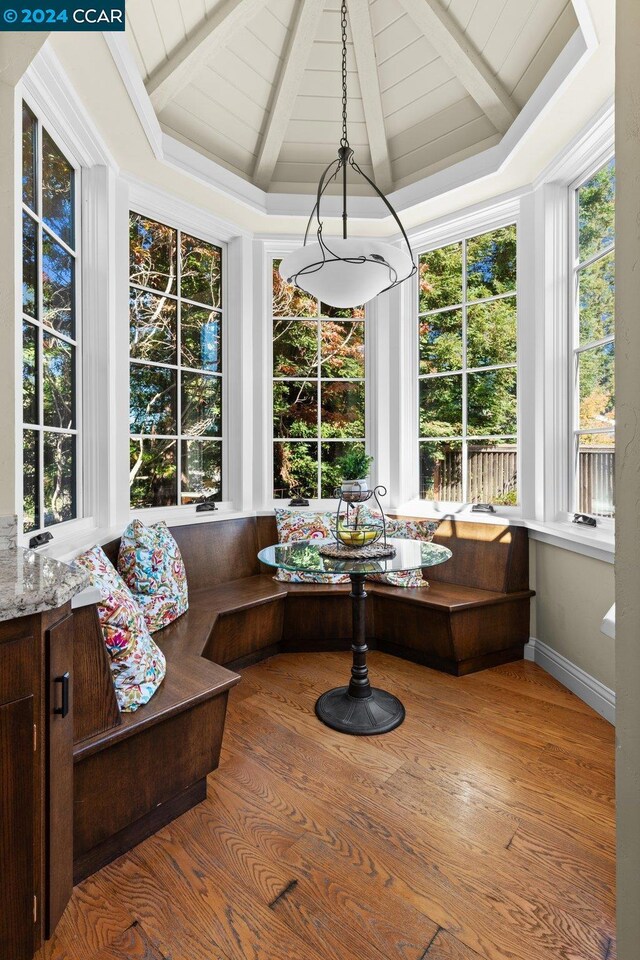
{"x":346,"y":272}
{"x":345,"y":139}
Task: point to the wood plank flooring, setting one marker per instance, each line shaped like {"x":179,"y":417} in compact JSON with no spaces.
{"x":483,"y":827}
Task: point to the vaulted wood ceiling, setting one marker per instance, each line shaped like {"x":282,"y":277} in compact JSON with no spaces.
{"x":255,"y":84}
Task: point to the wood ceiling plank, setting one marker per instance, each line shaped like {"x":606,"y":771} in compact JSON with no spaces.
{"x":176,"y":72}
{"x":294,"y":63}
{"x":455,"y":48}
{"x":364,"y":47}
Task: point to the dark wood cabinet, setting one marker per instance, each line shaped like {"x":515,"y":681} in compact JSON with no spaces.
{"x":36,"y":778}
{"x":17,"y":834}
{"x":59,"y":866}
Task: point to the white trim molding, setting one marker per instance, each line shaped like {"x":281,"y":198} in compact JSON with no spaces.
{"x":47,"y":85}
{"x":594,"y":693}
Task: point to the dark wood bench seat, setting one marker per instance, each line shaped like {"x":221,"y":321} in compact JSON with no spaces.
{"x":135,"y":772}
{"x":449,"y":596}
{"x":190,"y":680}
{"x":193,"y":631}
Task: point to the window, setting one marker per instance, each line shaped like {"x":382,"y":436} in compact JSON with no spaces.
{"x":318,"y":390}
{"x":175,"y":347}
{"x":49,"y":330}
{"x":593,"y":393}
{"x":467,"y":330}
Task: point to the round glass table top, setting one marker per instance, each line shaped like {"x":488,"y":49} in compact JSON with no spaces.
{"x":304,"y":556}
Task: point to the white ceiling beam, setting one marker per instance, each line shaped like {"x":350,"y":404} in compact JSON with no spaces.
{"x":174,"y":74}
{"x":294,"y":63}
{"x":365,"y":51}
{"x":455,"y":48}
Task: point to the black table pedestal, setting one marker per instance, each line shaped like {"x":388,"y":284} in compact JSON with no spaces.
{"x":359,"y":709}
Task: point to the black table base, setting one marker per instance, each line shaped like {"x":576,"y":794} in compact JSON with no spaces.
{"x":359,"y":708}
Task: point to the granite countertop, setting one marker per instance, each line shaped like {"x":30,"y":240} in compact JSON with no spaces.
{"x":31,"y":583}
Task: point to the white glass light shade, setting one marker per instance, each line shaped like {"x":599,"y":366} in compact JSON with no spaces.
{"x":341,"y":283}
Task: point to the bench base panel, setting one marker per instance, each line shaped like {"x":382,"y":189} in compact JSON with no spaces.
{"x":126,"y":791}
{"x":457,"y":668}
{"x":112,"y":848}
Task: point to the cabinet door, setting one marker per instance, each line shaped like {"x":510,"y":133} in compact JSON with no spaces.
{"x":17,"y":771}
{"x":60,"y":761}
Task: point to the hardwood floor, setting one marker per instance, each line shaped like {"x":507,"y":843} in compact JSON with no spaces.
{"x":483,"y":827}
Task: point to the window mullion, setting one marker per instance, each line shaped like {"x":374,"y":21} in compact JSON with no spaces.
{"x":39,"y":312}
{"x":465,"y":468}
{"x":319,"y":398}
{"x":600,"y":254}
{"x":593,"y":491}
{"x":179,"y":368}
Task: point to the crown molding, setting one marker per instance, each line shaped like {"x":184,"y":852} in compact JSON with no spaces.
{"x":595,"y":139}
{"x":47,"y":86}
{"x":150,"y":200}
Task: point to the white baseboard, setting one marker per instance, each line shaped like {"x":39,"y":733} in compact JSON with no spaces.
{"x":599,"y":697}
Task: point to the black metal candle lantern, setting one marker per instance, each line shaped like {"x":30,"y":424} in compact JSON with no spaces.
{"x":350,"y":530}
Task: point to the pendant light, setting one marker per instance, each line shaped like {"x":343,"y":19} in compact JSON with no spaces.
{"x":347,"y":271}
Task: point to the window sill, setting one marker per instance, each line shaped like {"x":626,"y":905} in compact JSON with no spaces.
{"x":457,"y":512}
{"x":67,"y":548}
{"x":178,"y":516}
{"x":587,"y":541}
{"x":593,"y":542}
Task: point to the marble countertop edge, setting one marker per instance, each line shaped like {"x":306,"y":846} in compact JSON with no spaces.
{"x":31,"y":583}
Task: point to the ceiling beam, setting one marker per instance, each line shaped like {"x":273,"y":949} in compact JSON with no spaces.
{"x":294,"y":63}
{"x":174,"y":74}
{"x":455,"y":48}
{"x":364,"y":48}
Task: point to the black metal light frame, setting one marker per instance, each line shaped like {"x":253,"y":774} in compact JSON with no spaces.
{"x":344,"y":160}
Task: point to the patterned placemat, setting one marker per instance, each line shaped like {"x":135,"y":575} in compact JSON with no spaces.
{"x":371,"y":551}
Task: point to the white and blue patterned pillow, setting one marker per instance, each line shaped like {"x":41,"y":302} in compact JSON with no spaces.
{"x":151,"y":565}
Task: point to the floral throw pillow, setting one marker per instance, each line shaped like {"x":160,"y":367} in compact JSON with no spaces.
{"x":298,"y":525}
{"x":151,"y":565}
{"x":138,"y":666}
{"x":403,"y":530}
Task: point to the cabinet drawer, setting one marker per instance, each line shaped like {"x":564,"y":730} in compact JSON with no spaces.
{"x":17,"y":667}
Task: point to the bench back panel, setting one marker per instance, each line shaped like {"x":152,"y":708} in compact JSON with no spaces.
{"x":213,"y":553}
{"x":489,"y":556}
{"x":485,"y":555}
{"x":218,"y":552}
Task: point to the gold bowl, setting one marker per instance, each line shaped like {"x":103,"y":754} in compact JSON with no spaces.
{"x":360,"y":536}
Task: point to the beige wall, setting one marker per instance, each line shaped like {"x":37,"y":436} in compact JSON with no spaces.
{"x":628,"y":474}
{"x":573,"y":593}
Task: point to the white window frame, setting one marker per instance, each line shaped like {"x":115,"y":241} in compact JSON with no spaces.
{"x":574,"y":348}
{"x":276,"y":249}
{"x":465,"y":439}
{"x":483,"y":218}
{"x":237,"y":353}
{"x":47,"y":92}
{"x":179,"y":367}
{"x":549,"y":518}
{"x":66,"y":527}
{"x":318,"y":380}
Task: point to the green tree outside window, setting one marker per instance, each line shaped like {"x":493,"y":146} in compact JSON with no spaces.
{"x":318,"y":390}
{"x":467,"y":349}
{"x":175,"y":309}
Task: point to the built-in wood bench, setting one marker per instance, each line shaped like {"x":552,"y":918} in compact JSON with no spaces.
{"x":135,"y":772}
